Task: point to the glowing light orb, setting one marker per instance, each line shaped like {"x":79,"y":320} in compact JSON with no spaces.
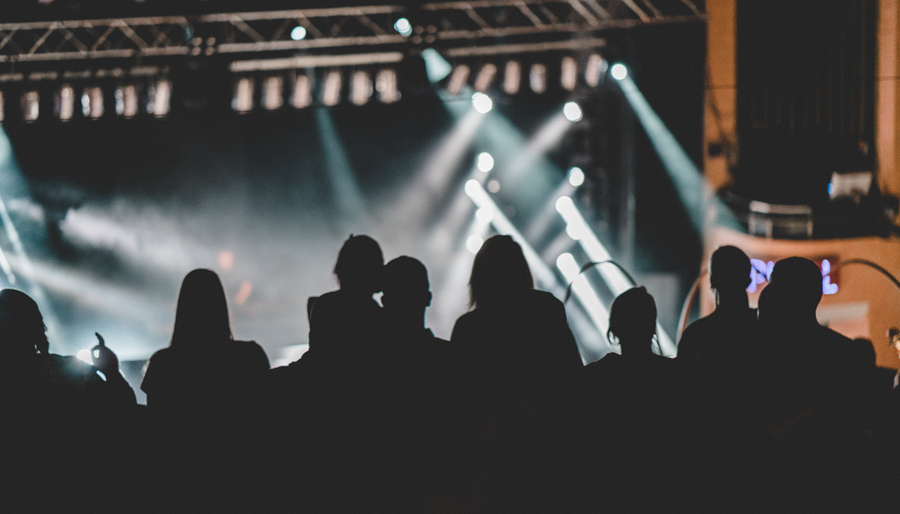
{"x":619,"y":71}
{"x":573,"y":112}
{"x":576,"y":176}
{"x":482,"y":103}
{"x":485,"y":162}
{"x":474,"y":242}
{"x":298,"y":33}
{"x":484,"y":215}
{"x":403,"y":26}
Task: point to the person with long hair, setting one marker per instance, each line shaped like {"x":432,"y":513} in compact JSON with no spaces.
{"x":512,"y":325}
{"x":203,"y":365}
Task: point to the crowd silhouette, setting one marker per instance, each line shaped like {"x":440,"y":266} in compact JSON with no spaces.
{"x":762,"y":411}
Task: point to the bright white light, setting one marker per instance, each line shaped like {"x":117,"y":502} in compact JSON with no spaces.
{"x":472,"y":188}
{"x":484,"y":214}
{"x":574,"y":231}
{"x":564,"y":203}
{"x":482,"y":103}
{"x":493,"y":186}
{"x":85,"y":355}
{"x":298,"y":33}
{"x":573,"y":112}
{"x":576,"y":176}
{"x":403,"y":26}
{"x":485,"y":162}
{"x":474,"y":242}
{"x":619,"y":71}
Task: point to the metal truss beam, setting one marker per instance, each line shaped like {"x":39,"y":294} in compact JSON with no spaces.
{"x":442,"y":24}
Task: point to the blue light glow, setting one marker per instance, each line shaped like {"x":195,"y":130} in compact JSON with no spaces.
{"x":298,"y":33}
{"x":403,"y":26}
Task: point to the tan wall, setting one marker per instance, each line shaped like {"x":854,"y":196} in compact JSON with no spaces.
{"x":887,"y":95}
{"x":867,"y":303}
{"x":720,"y":103}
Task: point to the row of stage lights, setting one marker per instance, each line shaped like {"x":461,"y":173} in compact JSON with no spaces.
{"x":595,"y":69}
{"x":90,"y":102}
{"x":300,"y":91}
{"x":271,"y":93}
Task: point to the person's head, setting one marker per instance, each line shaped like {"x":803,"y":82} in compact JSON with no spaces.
{"x":632,"y":320}
{"x":201,"y":316}
{"x":22,"y":330}
{"x":729,"y":270}
{"x":405,"y":287}
{"x":405,"y":283}
{"x":499,"y":272}
{"x":799,"y":282}
{"x":359,"y":265}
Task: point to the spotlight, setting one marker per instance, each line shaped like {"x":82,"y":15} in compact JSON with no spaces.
{"x":30,"y":105}
{"x":593,"y":72}
{"x":243,"y":95}
{"x":484,"y":214}
{"x":569,"y":76}
{"x":538,"y":78}
{"x":474,"y":242}
{"x":403,"y":26}
{"x":512,"y":77}
{"x":493,"y":186}
{"x":298,"y":33}
{"x":473,"y":188}
{"x":159,"y":99}
{"x":573,"y":112}
{"x":619,"y":71}
{"x":576,"y":176}
{"x":331,"y":88}
{"x":564,"y":203}
{"x":386,"y":85}
{"x":482,"y":103}
{"x":458,"y":79}
{"x":126,"y":101}
{"x":485,"y":77}
{"x":301,"y":96}
{"x":574,"y":231}
{"x":485,"y":162}
{"x":85,"y":356}
{"x":92,"y":102}
{"x":65,"y":102}
{"x":360,"y":87}
{"x":272,"y":93}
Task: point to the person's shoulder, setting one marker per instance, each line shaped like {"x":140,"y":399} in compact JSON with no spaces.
{"x":543,"y":296}
{"x":251,"y":350}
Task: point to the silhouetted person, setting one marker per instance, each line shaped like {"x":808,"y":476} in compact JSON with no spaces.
{"x":516,"y":359}
{"x":812,"y":381}
{"x":204,"y":366}
{"x":729,"y":330}
{"x":632,"y":324}
{"x":344,"y":323}
{"x":405,"y":297}
{"x":512,"y":326}
{"x":631,"y":397}
{"x":48,"y":379}
{"x":409,"y":393}
{"x":61,"y":418}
